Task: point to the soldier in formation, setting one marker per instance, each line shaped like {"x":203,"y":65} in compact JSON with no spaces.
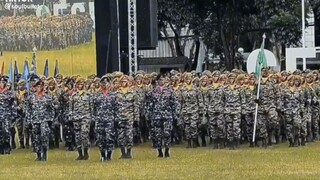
{"x":23,"y":33}
{"x":122,"y":111}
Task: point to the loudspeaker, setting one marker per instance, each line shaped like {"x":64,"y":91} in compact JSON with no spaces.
{"x":147,"y":24}
{"x":106,"y":36}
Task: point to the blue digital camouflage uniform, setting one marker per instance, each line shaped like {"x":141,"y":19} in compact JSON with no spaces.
{"x":162,"y":112}
{"x":38,"y":114}
{"x":104,"y":106}
{"x":8,"y":113}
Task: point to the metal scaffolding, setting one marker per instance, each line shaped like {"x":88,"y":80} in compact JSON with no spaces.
{"x":133,"y":47}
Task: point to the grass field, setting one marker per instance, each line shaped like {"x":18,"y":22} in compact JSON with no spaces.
{"x":280,"y":162}
{"x":72,"y":60}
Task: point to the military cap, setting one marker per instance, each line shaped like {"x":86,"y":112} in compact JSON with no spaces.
{"x":51,"y":82}
{"x":33,"y":78}
{"x":4,"y":79}
{"x":106,"y":77}
{"x":59,"y":76}
{"x":297,"y":72}
{"x":204,"y":78}
{"x":70,"y":81}
{"x":96,"y":80}
{"x":21,"y":83}
{"x":140,"y":72}
{"x":39,"y":83}
{"x":206,"y":73}
{"x":216,"y":73}
{"x":124,"y":78}
{"x":117,"y":74}
{"x":240,"y":77}
{"x":80,"y":81}
{"x":232,"y":75}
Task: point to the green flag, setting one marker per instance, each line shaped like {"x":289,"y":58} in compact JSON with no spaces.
{"x":44,"y":11}
{"x":262,"y":59}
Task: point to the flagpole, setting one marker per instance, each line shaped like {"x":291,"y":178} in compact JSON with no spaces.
{"x":256,"y":112}
{"x":303,"y":33}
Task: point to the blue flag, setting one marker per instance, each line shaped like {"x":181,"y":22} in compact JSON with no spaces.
{"x":46,"y":69}
{"x":16,"y":71}
{"x":56,"y":69}
{"x":26,"y":74}
{"x":11,"y":74}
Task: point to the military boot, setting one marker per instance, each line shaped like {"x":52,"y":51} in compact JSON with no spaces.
{"x":160,"y":153}
{"x":296,"y":142}
{"x":195,"y":143}
{"x":303,"y":141}
{"x":103,"y":155}
{"x":166,"y":153}
{"x":45,"y":154}
{"x":222,"y":144}
{"x":231,"y":145}
{"x":291,"y":144}
{"x":109,"y":154}
{"x":189,"y":144}
{"x":215,"y":144}
{"x":203,"y":141}
{"x":22,"y":145}
{"x":123,"y":153}
{"x":128,"y":156}
{"x":38,"y":156}
{"x":85,"y":154}
{"x":80,"y":156}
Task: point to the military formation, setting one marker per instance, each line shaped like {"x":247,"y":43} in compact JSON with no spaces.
{"x":23,"y":33}
{"x":120,"y":111}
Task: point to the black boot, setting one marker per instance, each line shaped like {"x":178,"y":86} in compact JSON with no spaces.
{"x":45,"y":154}
{"x":166,"y":153}
{"x":296,"y":142}
{"x":237,"y":143}
{"x":7,"y":148}
{"x":86,"y":154}
{"x":103,"y":155}
{"x":189,"y":144}
{"x":303,"y":141}
{"x":109,"y":154}
{"x":13,"y":144}
{"x":264,"y":143}
{"x":27,"y":143}
{"x":160,"y":153}
{"x":222,"y":144}
{"x":203,"y":143}
{"x":291,"y":144}
{"x":128,"y":156}
{"x":251,"y":144}
{"x":195,"y":143}
{"x":80,"y":156}
{"x":51,"y":144}
{"x":123,"y":153}
{"x":22,"y":145}
{"x":38,"y":156}
{"x":231,"y":145}
{"x":215,"y":144}
{"x":1,"y":149}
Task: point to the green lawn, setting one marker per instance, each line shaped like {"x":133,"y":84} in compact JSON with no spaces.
{"x":72,"y":60}
{"x":280,"y":162}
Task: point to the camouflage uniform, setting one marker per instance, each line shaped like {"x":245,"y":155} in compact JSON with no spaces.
{"x":217,"y":124}
{"x":104,"y":106}
{"x":21,"y":96}
{"x":80,"y":111}
{"x":38,"y":114}
{"x":190,"y":112}
{"x":127,"y":106}
{"x":292,"y":102}
{"x":232,"y":113}
{"x":162,"y":113}
{"x":267,"y":114}
{"x":8,"y":113}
